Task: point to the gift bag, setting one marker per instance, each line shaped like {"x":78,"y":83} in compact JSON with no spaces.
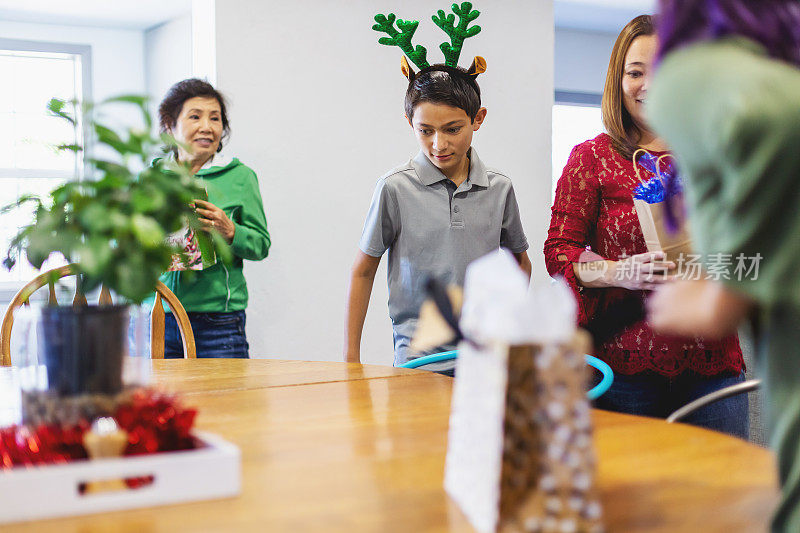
{"x":519,"y":454}
{"x":649,"y":201}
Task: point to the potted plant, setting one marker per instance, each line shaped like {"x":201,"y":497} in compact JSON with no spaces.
{"x":113,"y":226}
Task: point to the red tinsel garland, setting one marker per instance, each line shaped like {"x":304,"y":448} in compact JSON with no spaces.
{"x":155,"y":422}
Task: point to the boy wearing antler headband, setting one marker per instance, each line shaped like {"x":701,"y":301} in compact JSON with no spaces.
{"x":444,"y":208}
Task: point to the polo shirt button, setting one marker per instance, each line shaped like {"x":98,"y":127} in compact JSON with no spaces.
{"x":455,"y":209}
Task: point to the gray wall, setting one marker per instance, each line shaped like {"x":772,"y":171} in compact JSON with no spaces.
{"x":168,"y":56}
{"x":580,"y":59}
{"x":316,"y":110}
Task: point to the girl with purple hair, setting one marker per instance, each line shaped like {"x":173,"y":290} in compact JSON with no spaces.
{"x":727,"y":100}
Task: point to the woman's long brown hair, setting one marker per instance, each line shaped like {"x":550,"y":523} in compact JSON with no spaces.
{"x":616,"y":119}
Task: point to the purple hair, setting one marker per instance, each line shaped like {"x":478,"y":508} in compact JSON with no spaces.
{"x":775,"y":24}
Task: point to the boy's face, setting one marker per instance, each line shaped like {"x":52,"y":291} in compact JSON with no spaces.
{"x":445,"y":134}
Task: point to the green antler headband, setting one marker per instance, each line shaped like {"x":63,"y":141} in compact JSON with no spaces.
{"x":458,"y":33}
{"x":402,"y":35}
{"x":402,"y":38}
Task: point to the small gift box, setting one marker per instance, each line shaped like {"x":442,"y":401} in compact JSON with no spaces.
{"x":649,"y":200}
{"x":519,"y":453}
{"x":198,"y":248}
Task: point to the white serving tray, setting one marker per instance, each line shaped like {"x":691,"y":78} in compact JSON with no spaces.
{"x":213,"y":470}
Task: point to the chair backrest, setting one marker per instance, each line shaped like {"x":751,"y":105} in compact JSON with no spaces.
{"x":711,"y":397}
{"x":156,"y":319}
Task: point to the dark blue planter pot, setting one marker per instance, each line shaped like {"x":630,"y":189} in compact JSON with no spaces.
{"x":83,"y":348}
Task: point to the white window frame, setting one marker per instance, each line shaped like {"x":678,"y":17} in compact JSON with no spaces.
{"x":9,"y":288}
{"x":578,"y":99}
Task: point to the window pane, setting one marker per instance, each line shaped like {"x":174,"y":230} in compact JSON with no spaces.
{"x":29,"y":136}
{"x":42,"y":79}
{"x":572,"y":125}
{"x":6,"y":88}
{"x":38,"y":186}
{"x":35,"y":141}
{"x":9,"y":222}
{"x":6,"y":138}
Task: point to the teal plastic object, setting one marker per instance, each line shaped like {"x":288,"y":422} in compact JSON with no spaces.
{"x":594,"y":393}
{"x":605,"y":383}
{"x":430,"y":359}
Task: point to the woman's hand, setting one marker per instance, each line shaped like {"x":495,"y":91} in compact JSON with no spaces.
{"x":638,"y":272}
{"x":641,"y":271}
{"x":214,"y":218}
{"x":697,"y":307}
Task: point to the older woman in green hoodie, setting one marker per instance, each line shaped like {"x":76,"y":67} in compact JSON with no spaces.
{"x":216,"y":297}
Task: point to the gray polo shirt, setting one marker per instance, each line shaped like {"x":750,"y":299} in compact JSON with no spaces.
{"x":433,"y":228}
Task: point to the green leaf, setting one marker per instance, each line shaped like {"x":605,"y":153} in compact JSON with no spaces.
{"x":111,"y":138}
{"x":40,"y":246}
{"x":140,"y":101}
{"x":110,"y":167}
{"x":222,"y":247}
{"x":56,"y":107}
{"x":71,"y":147}
{"x":130,"y":98}
{"x":148,"y":231}
{"x":94,"y":256}
{"x":146,"y":201}
{"x":119,"y":222}
{"x":95,"y":218}
{"x":22,"y":200}
{"x":65,"y":193}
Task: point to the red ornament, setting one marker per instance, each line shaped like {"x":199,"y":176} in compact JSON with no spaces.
{"x":155,"y":422}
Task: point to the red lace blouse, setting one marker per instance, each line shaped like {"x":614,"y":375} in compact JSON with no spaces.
{"x":594,"y":207}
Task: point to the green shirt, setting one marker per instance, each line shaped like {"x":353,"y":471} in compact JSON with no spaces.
{"x":732,"y":116}
{"x":222,"y":288}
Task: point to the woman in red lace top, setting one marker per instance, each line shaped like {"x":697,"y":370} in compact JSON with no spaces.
{"x":595,"y":242}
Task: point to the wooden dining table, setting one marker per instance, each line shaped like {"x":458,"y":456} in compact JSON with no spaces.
{"x":329,"y":446}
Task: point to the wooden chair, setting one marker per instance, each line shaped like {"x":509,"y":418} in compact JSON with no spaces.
{"x":156,"y":319}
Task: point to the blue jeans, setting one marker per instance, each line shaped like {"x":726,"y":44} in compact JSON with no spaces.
{"x":216,"y":335}
{"x":659,"y":396}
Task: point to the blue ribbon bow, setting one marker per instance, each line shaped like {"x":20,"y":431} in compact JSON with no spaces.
{"x":654,"y":190}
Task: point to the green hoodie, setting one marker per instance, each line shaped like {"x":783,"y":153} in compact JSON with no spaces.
{"x":222,"y":288}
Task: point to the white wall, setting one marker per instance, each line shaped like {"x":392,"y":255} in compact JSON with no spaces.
{"x":581,"y":59}
{"x":181,"y":48}
{"x":168,"y":56}
{"x":204,"y":40}
{"x":316,"y":110}
{"x":117,"y":55}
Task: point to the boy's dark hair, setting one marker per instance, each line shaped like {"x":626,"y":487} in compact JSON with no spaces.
{"x":172,"y":104}
{"x":440,"y":84}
